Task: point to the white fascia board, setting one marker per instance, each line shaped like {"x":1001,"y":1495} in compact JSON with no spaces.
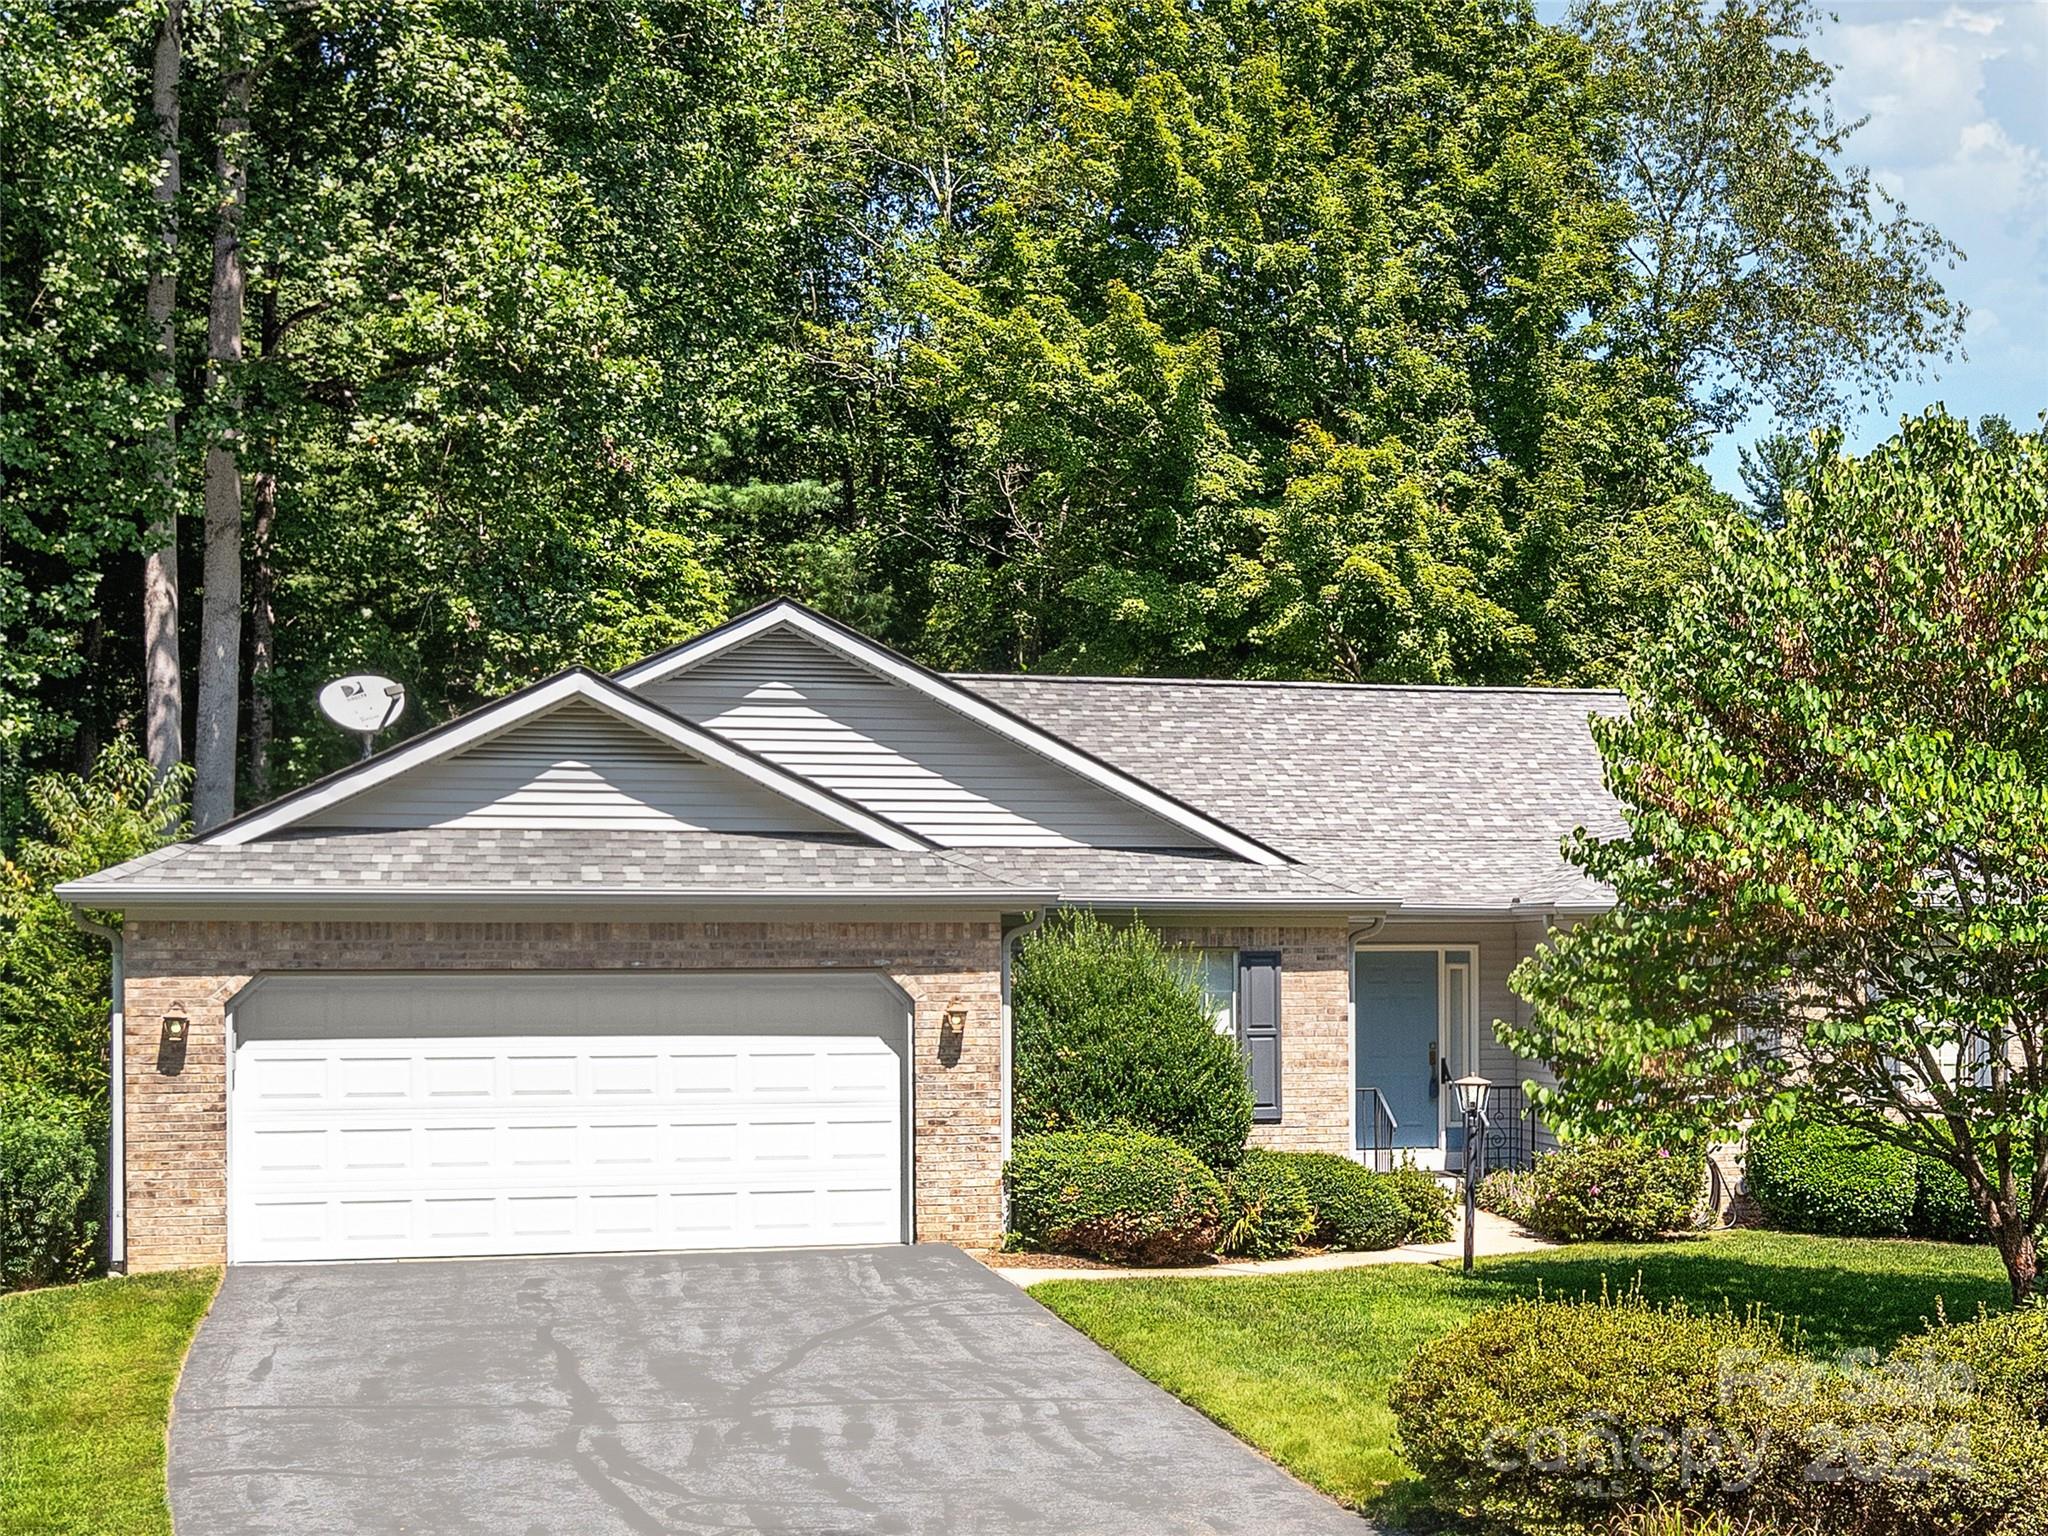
{"x":494,"y":719}
{"x":886,"y":663}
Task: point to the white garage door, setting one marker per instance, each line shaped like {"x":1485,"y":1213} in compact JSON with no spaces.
{"x":412,"y":1116}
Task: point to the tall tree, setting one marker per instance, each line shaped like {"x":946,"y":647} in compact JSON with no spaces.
{"x":214,"y":758}
{"x":1771,"y":271}
{"x":163,"y":677}
{"x":1833,"y":891}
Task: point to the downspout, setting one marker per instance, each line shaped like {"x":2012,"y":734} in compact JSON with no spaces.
{"x":117,"y":1095}
{"x":1365,"y":928}
{"x":1030,"y":925}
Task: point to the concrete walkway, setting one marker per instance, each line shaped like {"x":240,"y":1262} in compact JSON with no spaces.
{"x":1494,"y":1235}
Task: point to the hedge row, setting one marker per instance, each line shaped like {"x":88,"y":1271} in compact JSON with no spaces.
{"x":1620,"y":1191}
{"x":1830,"y":1180}
{"x":1130,"y":1197}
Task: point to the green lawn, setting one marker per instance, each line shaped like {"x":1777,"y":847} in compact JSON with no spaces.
{"x":1299,"y":1365}
{"x":86,"y":1373}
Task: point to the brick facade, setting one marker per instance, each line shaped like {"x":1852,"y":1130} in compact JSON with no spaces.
{"x":177,"y":1100}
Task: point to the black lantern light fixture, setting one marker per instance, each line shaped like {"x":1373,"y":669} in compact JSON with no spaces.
{"x":1473,"y":1091}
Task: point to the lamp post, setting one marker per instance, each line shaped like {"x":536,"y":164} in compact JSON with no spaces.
{"x":1472,"y":1093}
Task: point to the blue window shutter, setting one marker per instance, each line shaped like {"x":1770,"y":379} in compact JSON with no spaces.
{"x":1258,"y":1030}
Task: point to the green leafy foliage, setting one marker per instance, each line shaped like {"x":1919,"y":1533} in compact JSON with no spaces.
{"x":1157,"y":337}
{"x":1425,"y":1198}
{"x":53,"y":975}
{"x":1350,"y":1206}
{"x":1944,"y":1210}
{"x":50,"y":1178}
{"x":1509,"y":1192}
{"x":1818,"y":1178}
{"x":1831,"y":889}
{"x":2006,"y":1355}
{"x":1111,"y":1030}
{"x":1123,"y":1196}
{"x":1558,"y":1416}
{"x":1266,"y":1211}
{"x":1619,"y":1191}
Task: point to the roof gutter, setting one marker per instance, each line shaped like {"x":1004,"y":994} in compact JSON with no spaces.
{"x":117,"y":1094}
{"x":79,"y":893}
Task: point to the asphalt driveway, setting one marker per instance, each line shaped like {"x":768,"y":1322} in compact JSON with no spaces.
{"x":889,"y":1390}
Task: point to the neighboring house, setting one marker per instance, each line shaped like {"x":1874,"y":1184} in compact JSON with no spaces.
{"x":715,"y":953}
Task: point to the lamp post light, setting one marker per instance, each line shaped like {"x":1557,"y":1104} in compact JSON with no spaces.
{"x":1472,"y":1094}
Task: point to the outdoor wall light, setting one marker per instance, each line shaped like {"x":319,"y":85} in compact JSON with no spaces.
{"x":952,"y":1033}
{"x":175,"y":1025}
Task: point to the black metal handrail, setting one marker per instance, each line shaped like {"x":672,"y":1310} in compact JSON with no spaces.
{"x":1376,"y":1126}
{"x":1512,"y":1135}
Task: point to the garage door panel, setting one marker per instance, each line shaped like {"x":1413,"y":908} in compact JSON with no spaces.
{"x":365,"y":1147}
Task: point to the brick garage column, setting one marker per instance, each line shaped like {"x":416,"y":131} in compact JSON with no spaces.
{"x":1315,"y":1030}
{"x":177,"y":1099}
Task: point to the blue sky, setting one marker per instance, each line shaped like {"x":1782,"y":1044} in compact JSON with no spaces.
{"x":1957,"y":96}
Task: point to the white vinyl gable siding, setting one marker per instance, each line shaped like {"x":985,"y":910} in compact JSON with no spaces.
{"x":898,"y":753}
{"x":574,"y":768}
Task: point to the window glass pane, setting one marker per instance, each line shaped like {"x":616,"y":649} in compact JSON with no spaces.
{"x":1219,"y":988}
{"x":1458,"y":1022}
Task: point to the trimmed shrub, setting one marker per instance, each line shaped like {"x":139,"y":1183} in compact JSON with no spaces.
{"x":1111,"y":1030}
{"x":1427,"y":1201}
{"x":1266,"y":1212}
{"x":1827,"y":1179}
{"x":1124,"y":1196}
{"x":1352,"y":1207}
{"x":1943,"y":1209}
{"x":1494,"y":1413}
{"x":1509,"y":1192}
{"x":1549,"y":1416}
{"x":49,"y":1188}
{"x":2006,"y":1356}
{"x":1620,"y":1191}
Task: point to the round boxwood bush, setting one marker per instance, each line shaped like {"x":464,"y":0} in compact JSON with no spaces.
{"x":1111,"y":1030}
{"x":49,"y":1187}
{"x":1616,"y":1191}
{"x":1266,"y":1212}
{"x":1351,"y":1207}
{"x":1831,"y":1180}
{"x":1124,"y":1196}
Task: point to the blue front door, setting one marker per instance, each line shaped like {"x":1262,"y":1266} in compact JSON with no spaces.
{"x":1395,"y":994}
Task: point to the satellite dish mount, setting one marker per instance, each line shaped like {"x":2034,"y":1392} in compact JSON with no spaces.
{"x":364,"y":703}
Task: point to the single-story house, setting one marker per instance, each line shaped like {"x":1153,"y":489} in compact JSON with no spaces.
{"x":715,"y":952}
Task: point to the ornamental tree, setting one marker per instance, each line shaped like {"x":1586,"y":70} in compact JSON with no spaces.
{"x":1833,"y":889}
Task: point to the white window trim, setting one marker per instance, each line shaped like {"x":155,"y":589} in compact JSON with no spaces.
{"x":879,"y":659}
{"x":1443,"y":1019}
{"x":543,"y":698}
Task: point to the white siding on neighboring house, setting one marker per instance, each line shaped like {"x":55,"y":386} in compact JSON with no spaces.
{"x":898,"y":753}
{"x":575,"y":767}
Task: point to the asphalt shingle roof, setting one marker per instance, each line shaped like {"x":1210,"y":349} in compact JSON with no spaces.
{"x":1451,"y":797}
{"x":1446,"y":798}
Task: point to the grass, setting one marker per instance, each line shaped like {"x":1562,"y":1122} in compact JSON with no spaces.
{"x":86,"y":1373}
{"x":1299,"y":1365}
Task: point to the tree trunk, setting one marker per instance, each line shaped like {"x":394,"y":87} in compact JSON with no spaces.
{"x":262,"y":582}
{"x":220,"y":614}
{"x":2022,"y":1257}
{"x":162,"y":680}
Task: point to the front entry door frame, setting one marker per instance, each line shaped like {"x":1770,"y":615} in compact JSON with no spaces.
{"x":1457,"y":1007}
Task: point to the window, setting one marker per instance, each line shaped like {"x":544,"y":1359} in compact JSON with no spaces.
{"x":1216,"y":970}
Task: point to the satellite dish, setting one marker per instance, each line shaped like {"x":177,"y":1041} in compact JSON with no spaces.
{"x":364,"y":703}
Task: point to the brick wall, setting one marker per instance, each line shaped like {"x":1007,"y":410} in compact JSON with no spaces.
{"x":177,"y":1102}
{"x":1315,"y":1030}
